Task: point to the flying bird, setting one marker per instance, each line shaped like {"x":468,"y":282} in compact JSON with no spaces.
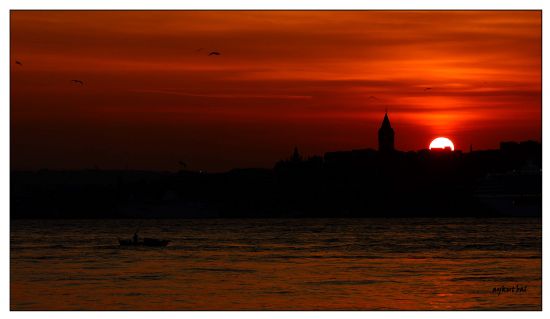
{"x":427,"y":89}
{"x":214,"y":53}
{"x":78,"y":82}
{"x":18,"y":63}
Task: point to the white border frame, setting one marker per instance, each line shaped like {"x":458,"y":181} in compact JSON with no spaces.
{"x":7,"y":5}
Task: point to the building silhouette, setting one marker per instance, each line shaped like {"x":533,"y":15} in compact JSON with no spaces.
{"x":386,"y":136}
{"x":296,"y":157}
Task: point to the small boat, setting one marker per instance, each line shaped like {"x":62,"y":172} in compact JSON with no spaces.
{"x":148,"y":242}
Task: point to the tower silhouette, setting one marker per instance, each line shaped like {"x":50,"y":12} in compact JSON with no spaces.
{"x":386,"y":136}
{"x":296,"y":157}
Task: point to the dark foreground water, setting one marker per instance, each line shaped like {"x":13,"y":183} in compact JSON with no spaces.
{"x":294,"y":264}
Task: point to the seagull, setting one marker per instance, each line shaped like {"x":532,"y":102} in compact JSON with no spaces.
{"x":77,"y":82}
{"x":214,"y":53}
{"x":426,"y":89}
{"x":18,"y":63}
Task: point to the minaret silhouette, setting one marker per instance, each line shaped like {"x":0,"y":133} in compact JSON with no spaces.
{"x":386,"y":136}
{"x":296,"y":157}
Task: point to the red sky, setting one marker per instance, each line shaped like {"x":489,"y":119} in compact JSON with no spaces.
{"x":316,"y":79}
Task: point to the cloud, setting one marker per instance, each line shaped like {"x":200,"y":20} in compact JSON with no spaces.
{"x":224,"y":96}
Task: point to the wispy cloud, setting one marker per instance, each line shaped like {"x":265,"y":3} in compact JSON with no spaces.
{"x":223,"y":95}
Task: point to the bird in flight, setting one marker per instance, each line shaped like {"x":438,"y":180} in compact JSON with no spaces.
{"x":18,"y":63}
{"x":214,"y":53}
{"x":78,"y":82}
{"x":427,"y":89}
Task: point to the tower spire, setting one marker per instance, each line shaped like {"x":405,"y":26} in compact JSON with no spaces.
{"x":386,"y":135}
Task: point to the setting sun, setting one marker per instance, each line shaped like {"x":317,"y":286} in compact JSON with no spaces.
{"x":442,"y":143}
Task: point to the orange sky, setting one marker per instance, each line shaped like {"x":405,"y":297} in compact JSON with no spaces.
{"x":316,"y":79}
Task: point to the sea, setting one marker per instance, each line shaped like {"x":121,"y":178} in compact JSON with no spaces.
{"x":278,"y":264}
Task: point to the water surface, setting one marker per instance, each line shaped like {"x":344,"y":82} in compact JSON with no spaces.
{"x":277,"y":264}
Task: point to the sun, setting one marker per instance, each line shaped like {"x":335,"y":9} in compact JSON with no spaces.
{"x":442,"y":143}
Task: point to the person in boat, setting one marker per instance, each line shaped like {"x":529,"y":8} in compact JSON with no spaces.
{"x":136,"y":237}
